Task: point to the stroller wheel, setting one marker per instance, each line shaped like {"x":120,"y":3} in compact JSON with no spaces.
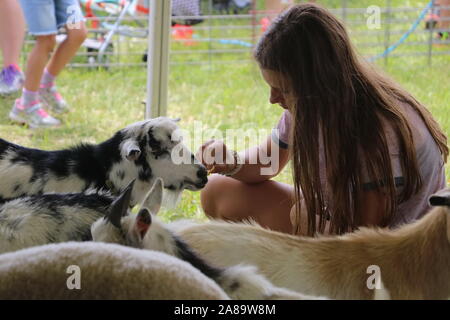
{"x":97,"y":61}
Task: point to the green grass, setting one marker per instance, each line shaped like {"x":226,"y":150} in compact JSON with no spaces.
{"x":221,"y":96}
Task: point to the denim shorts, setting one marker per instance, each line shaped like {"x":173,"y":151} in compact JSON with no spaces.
{"x":45,"y":17}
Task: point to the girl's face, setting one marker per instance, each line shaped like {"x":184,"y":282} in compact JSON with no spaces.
{"x":280,"y":91}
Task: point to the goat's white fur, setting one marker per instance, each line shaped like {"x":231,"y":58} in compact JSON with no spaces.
{"x":238,"y":281}
{"x":108,"y":271}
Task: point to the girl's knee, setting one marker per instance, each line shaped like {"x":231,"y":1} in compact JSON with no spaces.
{"x":209,"y":196}
{"x":48,"y":42}
{"x":77,"y":34}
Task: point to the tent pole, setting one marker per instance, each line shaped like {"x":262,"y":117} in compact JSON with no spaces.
{"x":159,"y":23}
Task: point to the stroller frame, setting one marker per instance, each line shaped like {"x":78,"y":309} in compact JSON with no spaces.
{"x":102,"y":46}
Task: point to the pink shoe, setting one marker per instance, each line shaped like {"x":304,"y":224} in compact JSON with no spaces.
{"x":34,"y":116}
{"x":51,"y":98}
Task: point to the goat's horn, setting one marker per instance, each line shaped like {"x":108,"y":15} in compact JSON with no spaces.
{"x":119,"y":207}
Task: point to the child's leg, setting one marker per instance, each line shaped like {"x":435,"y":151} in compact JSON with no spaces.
{"x":68,"y":14}
{"x":37,"y":60}
{"x":28,"y":108}
{"x":41,"y":21}
{"x":269,"y":202}
{"x":12,"y":31}
{"x":67,"y":49}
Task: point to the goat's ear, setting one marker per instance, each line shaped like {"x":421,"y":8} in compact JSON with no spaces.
{"x":119,"y":207}
{"x":131,"y":150}
{"x":440,"y":198}
{"x":176,"y":119}
{"x":154,"y":197}
{"x":143,"y":222}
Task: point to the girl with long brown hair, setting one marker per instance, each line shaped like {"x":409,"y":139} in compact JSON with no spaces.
{"x":363,"y":150}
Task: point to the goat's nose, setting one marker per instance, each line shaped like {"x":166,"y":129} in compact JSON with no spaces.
{"x":202,"y":174}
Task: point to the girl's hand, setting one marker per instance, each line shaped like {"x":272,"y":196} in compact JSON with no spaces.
{"x":216,"y":157}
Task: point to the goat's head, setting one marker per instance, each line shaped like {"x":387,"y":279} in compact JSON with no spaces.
{"x":156,"y":146}
{"x":442,"y":199}
{"x":142,"y":230}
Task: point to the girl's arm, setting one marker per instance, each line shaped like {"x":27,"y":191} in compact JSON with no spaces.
{"x":256,"y":161}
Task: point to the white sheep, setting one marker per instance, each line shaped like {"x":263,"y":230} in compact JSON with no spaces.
{"x":106,"y":271}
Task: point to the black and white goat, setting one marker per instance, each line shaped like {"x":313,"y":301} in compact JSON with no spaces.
{"x":146,"y":231}
{"x":55,"y":217}
{"x":143,"y":151}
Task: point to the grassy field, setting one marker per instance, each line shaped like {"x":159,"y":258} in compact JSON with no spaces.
{"x":221,"y":96}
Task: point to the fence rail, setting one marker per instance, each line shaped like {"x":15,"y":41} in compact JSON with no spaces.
{"x":229,"y":38}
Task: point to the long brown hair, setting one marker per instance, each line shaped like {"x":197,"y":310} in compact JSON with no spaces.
{"x":342,"y":99}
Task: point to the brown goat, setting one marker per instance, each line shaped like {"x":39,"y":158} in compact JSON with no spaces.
{"x":413,"y":261}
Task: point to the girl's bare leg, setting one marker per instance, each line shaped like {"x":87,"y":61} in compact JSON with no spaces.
{"x":12,"y":31}
{"x":269,"y":202}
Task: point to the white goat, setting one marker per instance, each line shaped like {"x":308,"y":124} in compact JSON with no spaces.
{"x":146,"y":231}
{"x":56,"y":217}
{"x":413,"y":261}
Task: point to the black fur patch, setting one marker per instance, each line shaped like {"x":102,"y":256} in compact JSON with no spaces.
{"x":154,"y":144}
{"x":89,"y":162}
{"x":95,"y":161}
{"x":53,"y":201}
{"x":4,"y":146}
{"x":188,"y":255}
{"x":235,"y":285}
{"x":52,"y":205}
{"x":145,"y":172}
{"x":81,"y":234}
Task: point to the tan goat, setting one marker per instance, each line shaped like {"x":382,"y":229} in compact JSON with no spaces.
{"x":412,"y":261}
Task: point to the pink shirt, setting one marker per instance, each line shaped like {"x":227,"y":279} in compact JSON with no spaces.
{"x":431,"y":163}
